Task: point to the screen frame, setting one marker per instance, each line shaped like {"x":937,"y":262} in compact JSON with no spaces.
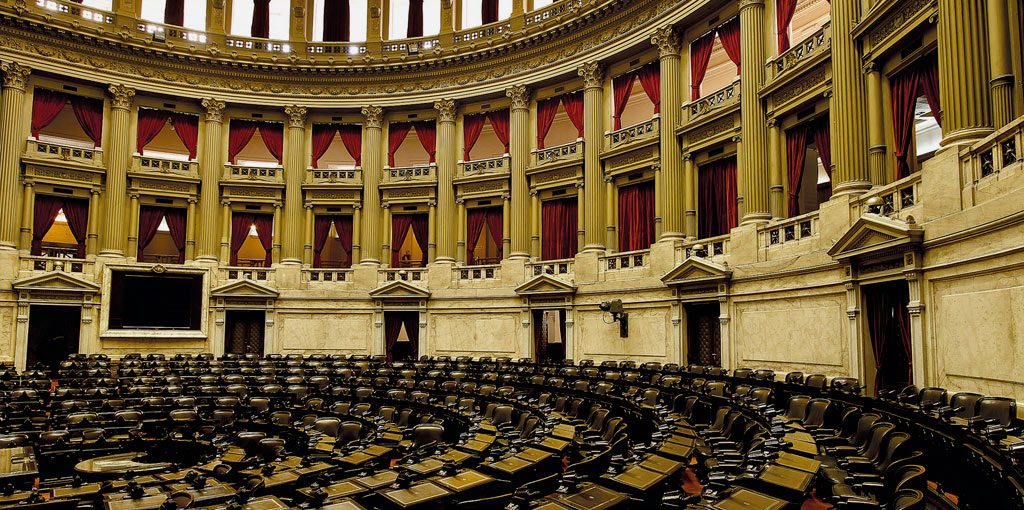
{"x":155,"y":333}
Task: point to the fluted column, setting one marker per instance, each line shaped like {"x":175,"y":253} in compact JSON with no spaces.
{"x":446,"y":162}
{"x":876,"y":125}
{"x":93,"y":236}
{"x":963,"y":72}
{"x":593,"y":138}
{"x":460,"y":228}
{"x":610,"y":204}
{"x":689,"y":195}
{"x":225,"y":231}
{"x":211,"y":164}
{"x":294,"y":170}
{"x":1000,"y":63}
{"x":12,"y":100}
{"x":776,"y":200}
{"x":307,"y":236}
{"x":432,"y":233}
{"x":27,"y":210}
{"x":190,"y":230}
{"x":113,"y":235}
{"x":535,"y":225}
{"x":506,"y":224}
{"x":133,"y":226}
{"x":672,"y":185}
{"x":753,"y":153}
{"x":846,"y":106}
{"x":385,"y":247}
{"x":519,"y":153}
{"x":357,"y":227}
{"x":275,"y":250}
{"x":372,"y":168}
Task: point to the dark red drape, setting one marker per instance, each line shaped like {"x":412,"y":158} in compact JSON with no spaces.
{"x":489,"y":11}
{"x":151,"y":122}
{"x":323,"y":135}
{"x":929,"y":71}
{"x":622,"y":87}
{"x":239,"y":134}
{"x":729,"y":34}
{"x":46,"y":105}
{"x":821,"y":135}
{"x":495,"y":226}
{"x":573,"y":104}
{"x":415,"y":27}
{"x":343,"y":225}
{"x":500,"y":122}
{"x":265,"y":230}
{"x":76,"y":211}
{"x":400,"y":224}
{"x":558,"y":229}
{"x":905,"y":86}
{"x":716,"y":188}
{"x":149,"y":222}
{"x":650,"y":80}
{"x":174,"y":12}
{"x":336,"y":20}
{"x":187,"y":128}
{"x":426,"y":131}
{"x":700,"y":57}
{"x":260,"y":18}
{"x":796,"y":152}
{"x":546,"y":111}
{"x":421,"y":227}
{"x":472,"y":125}
{"x":321,"y":228}
{"x":397,"y":131}
{"x":272,"y":134}
{"x":889,"y":325}
{"x":392,"y":328}
{"x":176,"y":218}
{"x":636,"y":217}
{"x":44,"y":213}
{"x":89,"y":113}
{"x":352,"y":137}
{"x":475,"y":219}
{"x":240,"y":225}
{"x":784,"y":10}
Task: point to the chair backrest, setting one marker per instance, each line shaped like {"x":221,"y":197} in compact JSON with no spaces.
{"x":879,"y":433}
{"x":816,"y":381}
{"x":426,"y":434}
{"x":908,"y":499}
{"x":863,"y":429}
{"x":798,"y":407}
{"x":742,"y":373}
{"x":502,"y":415}
{"x":816,"y":410}
{"x":968,"y":402}
{"x":350,"y":431}
{"x":931,"y":396}
{"x":328,"y":426}
{"x":1001,"y":409}
{"x":795,"y":378}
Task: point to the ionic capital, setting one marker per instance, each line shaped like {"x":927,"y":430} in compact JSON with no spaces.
{"x":446,"y":109}
{"x":15,"y":75}
{"x":121,"y":96}
{"x":374,"y":116}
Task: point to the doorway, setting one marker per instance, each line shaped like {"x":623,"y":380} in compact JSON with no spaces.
{"x":52,"y":335}
{"x":402,"y":335}
{"x":888,"y":325}
{"x":243,"y":332}
{"x":704,"y":335}
{"x":549,"y":336}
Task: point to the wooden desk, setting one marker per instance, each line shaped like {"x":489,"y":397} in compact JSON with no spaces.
{"x":675,"y":451}
{"x":798,"y":462}
{"x":464,"y":481}
{"x":637,"y":478}
{"x":745,"y":499}
{"x":534,"y":455}
{"x":455,"y":456}
{"x":416,"y":494}
{"x":18,"y":462}
{"x":511,"y":465}
{"x":426,"y":466}
{"x":799,"y":436}
{"x":553,"y":444}
{"x":119,"y":464}
{"x":343,"y":505}
{"x":564,"y":431}
{"x":146,"y":503}
{"x":805,"y":449}
{"x":475,"y":446}
{"x":378,"y":480}
{"x":661,"y":464}
{"x":789,"y":480}
{"x":85,"y":491}
{"x":260,"y":503}
{"x":209,"y":495}
{"x":313,"y":469}
{"x":336,"y":490}
{"x":591,"y":497}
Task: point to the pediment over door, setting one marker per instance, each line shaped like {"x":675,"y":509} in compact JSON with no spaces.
{"x":244,"y":289}
{"x":399,"y":290}
{"x":545,"y":285}
{"x":874,"y":235}
{"x":697,"y":271}
{"x":56,"y":282}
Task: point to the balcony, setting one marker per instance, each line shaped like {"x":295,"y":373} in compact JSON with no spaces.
{"x":74,"y":13}
{"x":413,"y":46}
{"x":571,"y":151}
{"x":57,"y":261}
{"x":482,"y":272}
{"x":645,"y":130}
{"x":266,"y":174}
{"x":625,"y":260}
{"x":172,"y":34}
{"x":708,"y":247}
{"x":164,"y":166}
{"x":496,"y":165}
{"x":63,"y":153}
{"x":553,"y":11}
{"x":894,"y":200}
{"x":715,"y":101}
{"x":334,"y":175}
{"x":326,"y":275}
{"x":815,"y":47}
{"x":330,"y":49}
{"x":995,"y":156}
{"x":401,"y":275}
{"x":417,"y":173}
{"x":549,"y":267}
{"x":256,"y":274}
{"x":238,"y":45}
{"x":790,"y":230}
{"x":484,"y":33}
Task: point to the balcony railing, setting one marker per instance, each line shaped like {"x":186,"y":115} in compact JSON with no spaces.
{"x":402,"y":275}
{"x":411,"y":173}
{"x":721,"y":98}
{"x":995,"y":153}
{"x":645,"y":130}
{"x":61,"y":152}
{"x":326,"y":275}
{"x":489,"y":272}
{"x":709,"y":247}
{"x":801,"y":52}
{"x":625,"y":260}
{"x":259,"y":274}
{"x":339,"y":49}
{"x":549,"y":267}
{"x":254,"y":173}
{"x":800,"y":227}
{"x":567,"y":151}
{"x":483,"y":33}
{"x":76,"y":11}
{"x":412,"y":46}
{"x":895,"y":199}
{"x":171,"y":33}
{"x":238,"y":43}
{"x":495,"y":165}
{"x":333,"y":175}
{"x":178,"y":167}
{"x":56,"y":262}
{"x":553,"y":11}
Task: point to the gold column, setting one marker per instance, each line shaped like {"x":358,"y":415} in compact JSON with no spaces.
{"x":27,"y":211}
{"x":519,"y":153}
{"x":211,"y":164}
{"x":94,"y":219}
{"x":447,"y":17}
{"x":112,"y":238}
{"x":225,"y":231}
{"x":385,"y":246}
{"x":753,"y":153}
{"x":294,"y":170}
{"x":506,"y":224}
{"x":12,"y":139}
{"x":373,"y":21}
{"x":592,"y":196}
{"x":372,"y":168}
{"x":460,"y":255}
{"x":357,"y":226}
{"x":610,"y":203}
{"x":776,"y":201}
{"x":672,"y":186}
{"x":689,"y":195}
{"x":1001,"y":64}
{"x":133,"y":228}
{"x":876,"y":125}
{"x":307,"y":236}
{"x":535,"y":230}
{"x":275,"y":253}
{"x":446,"y":162}
{"x":846,"y":106}
{"x":963,"y":72}
{"x":432,"y":232}
{"x":581,"y":208}
{"x":190,"y":230}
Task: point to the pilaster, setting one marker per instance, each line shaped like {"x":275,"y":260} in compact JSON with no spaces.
{"x":519,"y":149}
{"x":689,"y":186}
{"x":372,"y":168}
{"x":12,"y":99}
{"x":593,"y":138}
{"x":211,"y":163}
{"x":446,"y":163}
{"x":294,"y":170}
{"x":113,"y":235}
{"x":752,"y":181}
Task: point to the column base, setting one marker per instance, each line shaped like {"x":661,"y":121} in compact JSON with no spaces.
{"x":206,"y":259}
{"x":756,"y":218}
{"x":516,"y":255}
{"x":966,"y":136}
{"x":851,"y":188}
{"x":291,"y":262}
{"x":369,"y":262}
{"x":444,"y":260}
{"x":593,"y":248}
{"x":672,"y":236}
{"x":111,"y":253}
{"x":8,"y":246}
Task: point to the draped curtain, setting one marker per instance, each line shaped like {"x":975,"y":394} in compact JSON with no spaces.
{"x":76,"y":211}
{"x":44,"y":213}
{"x":272,"y":134}
{"x":151,"y":122}
{"x":796,"y":152}
{"x":495,"y":226}
{"x":729,"y":34}
{"x":546,"y":111}
{"x":475,"y":219}
{"x":573,"y":104}
{"x":558,"y":228}
{"x":265,"y":231}
{"x":174,"y":12}
{"x":700,"y":57}
{"x":716,"y":188}
{"x":240,"y":225}
{"x":636,"y":217}
{"x":426,"y":131}
{"x":650,"y":79}
{"x":321,"y":228}
{"x":622,"y":87}
{"x":489,"y":11}
{"x":336,"y":21}
{"x":89,"y":113}
{"x":323,"y":135}
{"x":500,"y":122}
{"x":187,"y":128}
{"x":149,"y":222}
{"x":397,"y":131}
{"x":472,"y":125}
{"x":260,"y":19}
{"x":392,"y":328}
{"x":415,"y":26}
{"x":239,"y":134}
{"x":821,"y":135}
{"x":343,"y":225}
{"x":421,"y":227}
{"x":920,"y":79}
{"x":400,"y":224}
{"x":889,"y":326}
{"x":352,"y":138}
{"x":784,"y":10}
{"x":176,"y":218}
{"x":928,"y":69}
{"x":46,"y":106}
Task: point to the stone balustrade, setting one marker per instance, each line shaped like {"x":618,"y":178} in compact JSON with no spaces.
{"x":646,"y":130}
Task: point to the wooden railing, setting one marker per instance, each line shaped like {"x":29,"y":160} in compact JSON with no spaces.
{"x":645,"y":130}
{"x":165,"y":166}
{"x":993,"y":154}
{"x":800,"y":227}
{"x":571,"y":150}
{"x":549,"y":267}
{"x":497,"y":164}
{"x":331,"y":175}
{"x":795,"y":56}
{"x":411,"y":173}
{"x":721,"y":98}
{"x":63,"y":261}
{"x":57,"y":151}
{"x":253,"y":173}
{"x":317,"y":274}
{"x":625,"y":260}
{"x":488,"y":272}
{"x":894,"y":200}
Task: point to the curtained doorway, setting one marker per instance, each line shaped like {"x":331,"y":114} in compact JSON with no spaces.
{"x":549,"y":336}
{"x":704,"y":334}
{"x":243,"y":332}
{"x":402,"y":336}
{"x":52,"y":335}
{"x":888,"y":355}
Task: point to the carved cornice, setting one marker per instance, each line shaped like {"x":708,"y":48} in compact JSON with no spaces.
{"x":667,"y":41}
{"x":374,"y":116}
{"x":214,"y":109}
{"x":445,"y":110}
{"x":121,"y":96}
{"x":593,"y":75}
{"x":520,"y":96}
{"x":15,"y":75}
{"x":296,"y":116}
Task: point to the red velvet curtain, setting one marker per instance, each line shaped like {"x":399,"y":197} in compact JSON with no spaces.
{"x":928,"y":69}
{"x":421,"y":227}
{"x":500,"y":122}
{"x":475,"y":219}
{"x":489,"y":11}
{"x":265,"y":230}
{"x":546,"y":111}
{"x":149,"y":222}
{"x":187,"y":128}
{"x":400,"y":224}
{"x":472,"y":125}
{"x":76,"y":211}
{"x":636,"y":217}
{"x":889,"y":326}
{"x":260,"y":19}
{"x":321,"y":228}
{"x":426,"y":131}
{"x":397,"y":131}
{"x":496,"y":227}
{"x":622,"y":87}
{"x":392,"y":328}
{"x":240,"y":225}
{"x":336,"y":20}
{"x":46,"y":105}
{"x":716,"y":188}
{"x":239,"y":134}
{"x":905,"y":87}
{"x":700,"y":57}
{"x":415,"y":26}
{"x":558,"y":228}
{"x":796,"y":152}
{"x":729,"y":34}
{"x":573,"y":104}
{"x":89,"y":113}
{"x":323,"y":135}
{"x":176,"y":218}
{"x":272,"y":134}
{"x":174,"y":12}
{"x":44,"y":213}
{"x":352,"y":138}
{"x":784,"y":10}
{"x":650,"y":80}
{"x":151,"y":122}
{"x":821,"y":135}
{"x":343,"y":225}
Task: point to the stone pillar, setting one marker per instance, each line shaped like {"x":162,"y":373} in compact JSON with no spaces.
{"x":610,"y":206}
{"x":133,"y":226}
{"x":27,"y":211}
{"x":294,"y":173}
{"x":225,"y":231}
{"x":876,"y":126}
{"x":581,"y":209}
{"x":112,"y":237}
{"x":211,"y":164}
{"x":307,"y":236}
{"x":372,"y":168}
{"x":357,"y":226}
{"x":671,"y":174}
{"x":460,"y":227}
{"x":963,"y":72}
{"x":275,"y":251}
{"x":846,"y":106}
{"x":446,"y":163}
{"x":506,"y":224}
{"x":1000,"y":63}
{"x":93,"y":238}
{"x":689,"y":195}
{"x":535,"y":222}
{"x":385,"y":246}
{"x":592,"y":198}
{"x":432,"y":234}
{"x":776,"y":199}
{"x":519,"y":154}
{"x":12,"y":139}
{"x":753,"y":153}
{"x":190,"y":230}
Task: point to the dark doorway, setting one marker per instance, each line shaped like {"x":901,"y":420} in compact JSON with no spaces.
{"x":243,"y":332}
{"x":52,"y":335}
{"x":704,"y":335}
{"x":549,"y":336}
{"x":888,"y":324}
{"x":402,"y":335}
